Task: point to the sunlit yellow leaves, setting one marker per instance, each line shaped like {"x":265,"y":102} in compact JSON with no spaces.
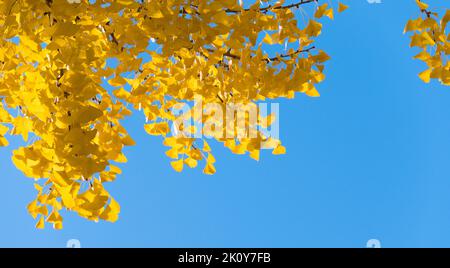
{"x":268,"y":39}
{"x":445,"y":19}
{"x":209,"y":169}
{"x":279,"y":150}
{"x":28,"y":43}
{"x":177,"y":165}
{"x":206,"y":147}
{"x":74,"y":70}
{"x":210,"y":159}
{"x":222,"y":18}
{"x":66,"y":29}
{"x":128,"y":141}
{"x":3,"y":141}
{"x":86,"y":114}
{"x":413,"y":25}
{"x":34,"y":209}
{"x":125,"y":2}
{"x":107,"y":176}
{"x":111,"y":212}
{"x":429,"y":33}
{"x":56,"y":219}
{"x":41,"y":223}
{"x":118,"y":81}
{"x":67,"y":198}
{"x":93,"y":204}
{"x":192,"y":163}
{"x":324,"y":10}
{"x":313,"y":93}
{"x":173,"y":153}
{"x":422,"y":40}
{"x":342,"y":7}
{"x":313,"y":29}
{"x":426,"y":76}
{"x":5,"y":117}
{"x":422,"y":5}
{"x":3,"y":131}
{"x":121,"y":93}
{"x":22,"y":126}
{"x":115,"y":169}
{"x":155,"y":12}
{"x":321,"y":57}
{"x":157,"y":129}
{"x":255,"y":154}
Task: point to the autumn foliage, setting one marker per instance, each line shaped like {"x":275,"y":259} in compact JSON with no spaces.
{"x":431,"y":36}
{"x":54,"y":61}
{"x":54,"y":67}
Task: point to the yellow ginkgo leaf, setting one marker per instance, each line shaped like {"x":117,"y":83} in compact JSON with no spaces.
{"x":426,"y":76}
{"x":173,"y":153}
{"x":422,"y":5}
{"x":279,"y":150}
{"x":206,"y":147}
{"x":211,"y":159}
{"x":41,"y":223}
{"x":128,"y":141}
{"x":192,"y":163}
{"x":313,"y":93}
{"x":3,"y":142}
{"x":342,"y":7}
{"x":209,"y":169}
{"x":73,"y":71}
{"x":323,"y":10}
{"x":177,"y":165}
{"x":157,"y":129}
{"x":255,"y":154}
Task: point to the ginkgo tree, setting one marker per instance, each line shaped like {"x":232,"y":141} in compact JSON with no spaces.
{"x":60,"y":94}
{"x":54,"y":66}
{"x":431,"y":36}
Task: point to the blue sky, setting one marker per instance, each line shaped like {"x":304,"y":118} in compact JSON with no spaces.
{"x":368,"y":159}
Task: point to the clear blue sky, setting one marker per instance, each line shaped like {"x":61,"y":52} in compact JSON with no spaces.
{"x":369,"y":159}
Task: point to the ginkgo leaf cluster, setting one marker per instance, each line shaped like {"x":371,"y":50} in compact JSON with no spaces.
{"x":430,"y":34}
{"x":59,"y":93}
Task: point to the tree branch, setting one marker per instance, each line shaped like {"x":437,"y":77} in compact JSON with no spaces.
{"x":269,"y":8}
{"x":268,"y":60}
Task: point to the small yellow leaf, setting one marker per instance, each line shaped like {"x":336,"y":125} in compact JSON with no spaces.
{"x":209,"y":169}
{"x":342,"y":7}
{"x":313,"y":93}
{"x":422,"y":5}
{"x":279,"y":150}
{"x":426,"y":76}
{"x":3,"y":142}
{"x":255,"y":154}
{"x":177,"y":165}
{"x":206,"y":147}
{"x":157,"y":129}
{"x":128,"y":141}
{"x":172,"y":153}
{"x":41,"y":223}
{"x":211,"y":159}
{"x":192,"y":163}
